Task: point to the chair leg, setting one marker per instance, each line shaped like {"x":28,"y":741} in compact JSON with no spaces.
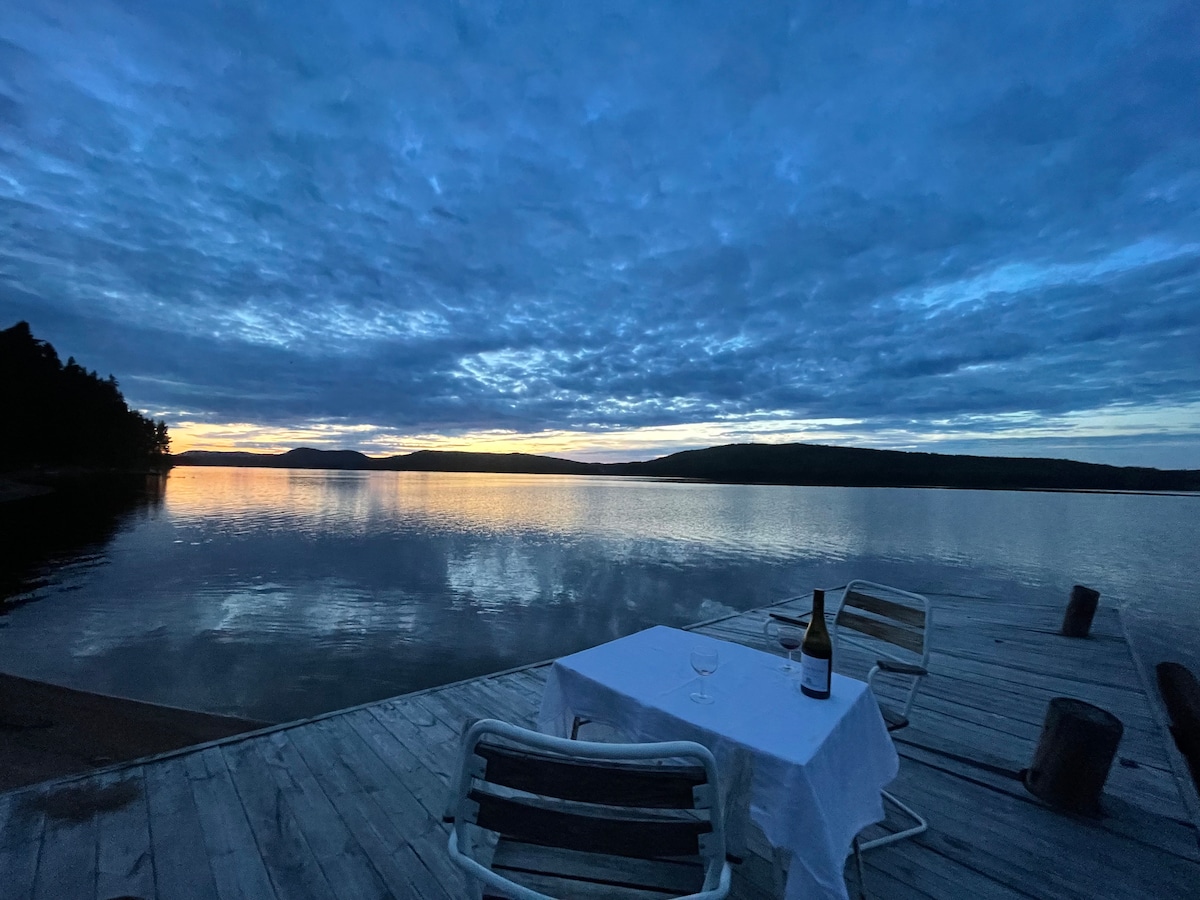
{"x":862,"y":881}
{"x":920,"y":826}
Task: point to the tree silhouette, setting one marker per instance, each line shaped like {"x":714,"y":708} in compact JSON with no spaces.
{"x":64,"y":414}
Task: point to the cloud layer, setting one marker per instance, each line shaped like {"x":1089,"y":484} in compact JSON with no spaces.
{"x":921,"y":218}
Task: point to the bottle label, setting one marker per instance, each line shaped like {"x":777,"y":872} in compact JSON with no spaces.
{"x":815,"y":673}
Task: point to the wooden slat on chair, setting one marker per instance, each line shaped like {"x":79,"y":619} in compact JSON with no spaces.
{"x":558,"y":886}
{"x":885,"y":631}
{"x":648,"y":787}
{"x":889,"y":609}
{"x":645,"y":837}
{"x":517,"y":860}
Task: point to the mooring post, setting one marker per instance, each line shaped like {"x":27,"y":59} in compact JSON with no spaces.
{"x":1074,"y":755}
{"x":1078,"y":619}
{"x":1181,"y":695}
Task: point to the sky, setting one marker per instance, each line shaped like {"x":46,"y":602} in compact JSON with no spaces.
{"x":614,"y":230}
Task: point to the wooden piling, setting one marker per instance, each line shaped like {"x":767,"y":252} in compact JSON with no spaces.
{"x":1077,"y":621}
{"x":1073,"y":755}
{"x":1181,"y":695}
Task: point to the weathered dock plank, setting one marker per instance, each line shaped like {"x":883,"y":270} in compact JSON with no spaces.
{"x":347,"y":867}
{"x":21,"y":828}
{"x":366,"y":785}
{"x":349,"y":805}
{"x":182,"y":867}
{"x":292,"y":866}
{"x":66,"y":865}
{"x":237,"y":866}
{"x":123,"y":865}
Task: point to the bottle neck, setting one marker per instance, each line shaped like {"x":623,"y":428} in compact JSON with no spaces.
{"x":818,"y":603}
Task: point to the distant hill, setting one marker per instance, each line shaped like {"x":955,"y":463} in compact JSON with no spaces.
{"x":512,"y":463}
{"x":300,"y":458}
{"x":307,"y":458}
{"x":795,"y":464}
{"x":421,"y":461}
{"x":63,"y":415}
{"x":814,"y":464}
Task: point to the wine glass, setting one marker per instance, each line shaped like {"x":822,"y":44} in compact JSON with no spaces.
{"x":790,"y":638}
{"x":704,"y":661}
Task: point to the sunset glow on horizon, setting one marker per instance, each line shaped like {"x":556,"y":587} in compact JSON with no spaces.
{"x":1028,"y":435}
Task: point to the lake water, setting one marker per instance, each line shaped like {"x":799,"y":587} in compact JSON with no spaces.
{"x":277,"y":594}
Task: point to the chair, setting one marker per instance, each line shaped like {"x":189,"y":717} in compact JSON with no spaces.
{"x":539,"y":817}
{"x":892,"y":626}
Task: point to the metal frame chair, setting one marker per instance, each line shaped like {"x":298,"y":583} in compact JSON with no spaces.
{"x":535,"y":813}
{"x":895,"y":625}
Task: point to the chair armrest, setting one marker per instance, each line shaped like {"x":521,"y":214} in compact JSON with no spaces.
{"x":791,"y":620}
{"x":898,"y":668}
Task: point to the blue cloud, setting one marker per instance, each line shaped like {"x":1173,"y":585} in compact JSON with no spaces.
{"x":431,"y":216}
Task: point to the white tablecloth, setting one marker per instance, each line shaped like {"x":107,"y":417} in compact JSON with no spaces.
{"x":818,"y":765}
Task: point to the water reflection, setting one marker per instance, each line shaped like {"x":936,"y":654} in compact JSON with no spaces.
{"x":72,"y":523}
{"x":276,"y":594}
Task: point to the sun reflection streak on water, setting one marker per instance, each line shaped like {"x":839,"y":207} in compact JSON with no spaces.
{"x":352,"y":503}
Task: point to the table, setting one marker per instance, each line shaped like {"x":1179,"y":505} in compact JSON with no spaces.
{"x":817,"y":766}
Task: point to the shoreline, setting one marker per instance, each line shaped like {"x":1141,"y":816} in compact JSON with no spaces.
{"x":12,"y":490}
{"x":48,"y":731}
{"x":38,"y":481}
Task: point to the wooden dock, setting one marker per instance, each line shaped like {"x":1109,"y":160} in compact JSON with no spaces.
{"x":348,"y":805}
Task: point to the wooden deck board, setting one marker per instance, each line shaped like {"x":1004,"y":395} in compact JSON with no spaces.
{"x":350,"y":804}
{"x":396,"y":817}
{"x":1131,"y":821}
{"x":347,"y":867}
{"x":182,"y":867}
{"x":237,"y":867}
{"x":426,"y":788}
{"x":66,"y":865}
{"x":293,"y":868}
{"x":991,"y":831}
{"x":395,"y":863}
{"x":124,"y":865}
{"x":21,"y":830}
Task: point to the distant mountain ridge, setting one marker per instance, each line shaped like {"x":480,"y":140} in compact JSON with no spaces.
{"x":794,"y":464}
{"x":420,"y":461}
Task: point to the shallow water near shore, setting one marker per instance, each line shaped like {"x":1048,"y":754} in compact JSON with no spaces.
{"x":276,"y":594}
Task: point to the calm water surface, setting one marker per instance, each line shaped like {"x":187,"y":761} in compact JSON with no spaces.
{"x":277,"y":594}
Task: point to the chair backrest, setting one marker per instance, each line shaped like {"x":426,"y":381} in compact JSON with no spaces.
{"x":896,"y":618}
{"x":889,"y":622}
{"x":537,"y":816}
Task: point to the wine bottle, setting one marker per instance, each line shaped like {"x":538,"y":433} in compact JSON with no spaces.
{"x":816,"y":653}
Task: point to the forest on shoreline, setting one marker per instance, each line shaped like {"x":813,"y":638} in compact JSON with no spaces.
{"x":62,"y":415}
